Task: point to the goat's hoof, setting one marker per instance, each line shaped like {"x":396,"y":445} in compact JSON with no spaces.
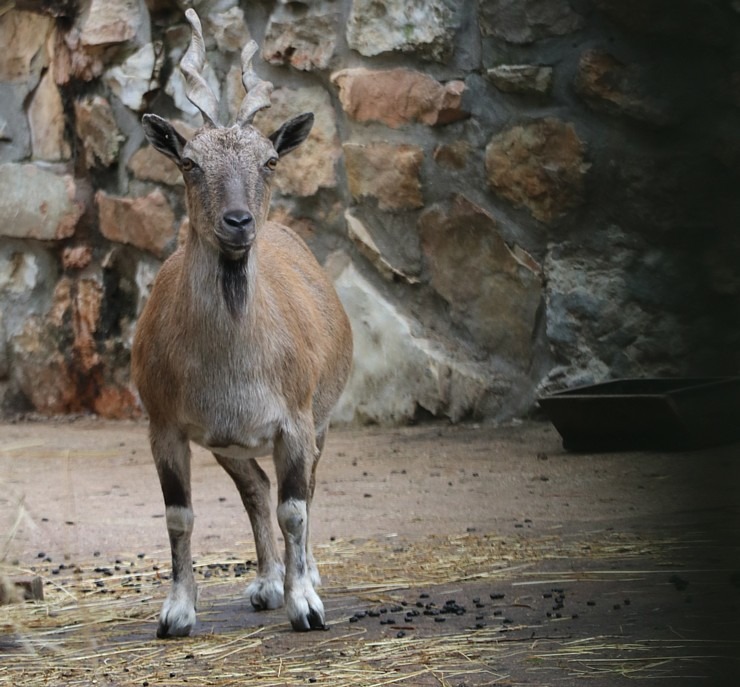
{"x":177,"y":618}
{"x":172,"y":626}
{"x":306,"y":612}
{"x":265,"y":593}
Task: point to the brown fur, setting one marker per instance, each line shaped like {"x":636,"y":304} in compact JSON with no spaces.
{"x":241,"y":372}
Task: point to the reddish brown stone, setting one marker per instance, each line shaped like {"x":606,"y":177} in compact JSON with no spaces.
{"x":399,"y":96}
{"x":77,"y":257}
{"x":539,"y":165}
{"x":389,"y":173}
{"x":146,"y":222}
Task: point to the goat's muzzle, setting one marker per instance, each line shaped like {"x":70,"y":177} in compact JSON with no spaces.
{"x":236,"y":233}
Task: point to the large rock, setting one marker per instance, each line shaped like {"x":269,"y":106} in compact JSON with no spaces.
{"x":97,"y":130}
{"x":228,"y":29}
{"x":23,"y":36}
{"x":386,"y":172}
{"x":525,"y":79}
{"x":146,"y":222}
{"x":366,"y":244}
{"x":396,"y":369}
{"x":609,"y":85}
{"x":47,"y":123}
{"x":424,"y":27}
{"x":110,"y":21}
{"x":526,"y":21}
{"x":15,"y":134}
{"x":37,"y":204}
{"x":132,"y":79}
{"x":312,"y":166}
{"x":40,"y":370}
{"x":491,"y":290}
{"x":398,"y":96}
{"x":302,"y":35}
{"x":613,"y":319}
{"x":539,"y":165}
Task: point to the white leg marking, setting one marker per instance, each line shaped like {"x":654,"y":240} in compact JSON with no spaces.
{"x":177,"y":618}
{"x":304,"y":607}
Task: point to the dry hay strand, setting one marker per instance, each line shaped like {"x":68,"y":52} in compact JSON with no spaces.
{"x":98,"y":621}
{"x":644,"y":659}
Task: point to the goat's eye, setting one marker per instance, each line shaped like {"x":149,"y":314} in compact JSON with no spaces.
{"x":187,"y":165}
{"x":271,"y":164}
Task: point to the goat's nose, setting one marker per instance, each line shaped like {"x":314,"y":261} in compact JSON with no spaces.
{"x":237,"y":219}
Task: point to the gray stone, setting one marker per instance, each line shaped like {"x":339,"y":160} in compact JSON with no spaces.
{"x":228,"y":29}
{"x":132,"y":79}
{"x":302,"y":34}
{"x":608,"y":85}
{"x":526,"y":21}
{"x":396,"y":369}
{"x":367,"y":245}
{"x":424,"y":27}
{"x":15,"y":143}
{"x":37,"y":204}
{"x":527,"y":79}
{"x":47,"y":123}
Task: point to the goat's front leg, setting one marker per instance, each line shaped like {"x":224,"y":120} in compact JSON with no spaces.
{"x":294,"y":458}
{"x":266,"y":591}
{"x":171,"y":452}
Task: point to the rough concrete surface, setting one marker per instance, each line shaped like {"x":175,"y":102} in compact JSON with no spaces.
{"x":548,"y":567}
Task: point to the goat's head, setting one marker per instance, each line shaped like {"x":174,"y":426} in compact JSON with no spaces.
{"x":227,"y":171}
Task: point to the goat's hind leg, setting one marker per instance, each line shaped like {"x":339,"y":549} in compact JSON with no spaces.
{"x":171,"y":452}
{"x":266,"y":591}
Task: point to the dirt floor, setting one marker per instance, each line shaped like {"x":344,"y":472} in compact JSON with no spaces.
{"x":451,"y":555}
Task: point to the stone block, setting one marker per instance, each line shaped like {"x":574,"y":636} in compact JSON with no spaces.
{"x":102,"y":22}
{"x":47,"y":123}
{"x":23,"y":36}
{"x":539,"y":165}
{"x":146,"y":222}
{"x":302,"y":35}
{"x":525,"y":79}
{"x":398,"y":96}
{"x":396,"y":369}
{"x":425,"y":27}
{"x":37,"y":204}
{"x":385,"y":172}
{"x":491,"y":290}
{"x":608,"y":85}
{"x":527,"y":21}
{"x":312,"y":166}
{"x":97,"y":129}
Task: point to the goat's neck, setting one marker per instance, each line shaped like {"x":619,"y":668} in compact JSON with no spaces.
{"x":218,"y":292}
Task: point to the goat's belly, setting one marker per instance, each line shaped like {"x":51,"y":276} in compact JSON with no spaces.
{"x":249,"y":444}
{"x":239,"y":450}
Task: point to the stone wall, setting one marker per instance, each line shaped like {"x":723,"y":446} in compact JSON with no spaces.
{"x":511,"y":195}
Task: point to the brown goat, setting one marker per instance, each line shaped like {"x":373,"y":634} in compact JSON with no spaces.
{"x":243,"y":347}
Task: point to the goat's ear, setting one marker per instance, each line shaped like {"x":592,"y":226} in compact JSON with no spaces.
{"x":291,"y":134}
{"x":163,"y":136}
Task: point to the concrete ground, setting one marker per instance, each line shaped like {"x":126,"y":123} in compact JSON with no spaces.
{"x":547,"y":567}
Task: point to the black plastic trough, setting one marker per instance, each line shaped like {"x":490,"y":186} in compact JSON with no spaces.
{"x":657,"y":414}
